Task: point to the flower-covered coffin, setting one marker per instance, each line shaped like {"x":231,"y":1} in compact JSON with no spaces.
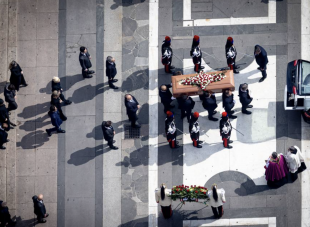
{"x":195,"y":84}
{"x":189,"y":193}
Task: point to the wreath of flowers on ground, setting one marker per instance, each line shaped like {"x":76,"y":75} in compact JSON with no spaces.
{"x":186,"y":193}
{"x":203,"y":79}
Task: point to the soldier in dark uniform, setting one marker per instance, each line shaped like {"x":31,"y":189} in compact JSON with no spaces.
{"x":245,"y":98}
{"x":108,"y":133}
{"x":171,"y":130}
{"x":225,"y":130}
{"x":187,"y":104}
{"x":228,"y":103}
{"x":165,"y":96}
{"x":196,"y":54}
{"x":209,"y":103}
{"x":194,"y":130}
{"x":262,"y":60}
{"x":167,"y":53}
{"x":231,"y":54}
{"x":85,"y":63}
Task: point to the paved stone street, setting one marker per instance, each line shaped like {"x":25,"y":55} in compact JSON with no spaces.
{"x":84,"y":182}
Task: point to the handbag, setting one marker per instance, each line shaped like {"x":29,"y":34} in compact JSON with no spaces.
{"x":302,"y":167}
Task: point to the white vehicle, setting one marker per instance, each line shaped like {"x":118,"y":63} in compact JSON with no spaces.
{"x":297,"y":89}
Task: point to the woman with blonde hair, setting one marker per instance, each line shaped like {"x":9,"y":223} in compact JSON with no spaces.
{"x":162,"y":197}
{"x":17,"y":75}
{"x":217,"y":199}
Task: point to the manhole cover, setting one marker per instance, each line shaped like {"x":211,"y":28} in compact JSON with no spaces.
{"x":132,"y":133}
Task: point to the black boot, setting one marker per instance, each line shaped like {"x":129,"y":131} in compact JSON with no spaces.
{"x":213,"y":119}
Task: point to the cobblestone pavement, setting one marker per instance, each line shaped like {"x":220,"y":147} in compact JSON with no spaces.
{"x":84,"y":182}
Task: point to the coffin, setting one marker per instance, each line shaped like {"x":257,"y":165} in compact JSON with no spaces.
{"x":217,"y":87}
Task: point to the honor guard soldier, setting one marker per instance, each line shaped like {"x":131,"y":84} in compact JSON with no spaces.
{"x":167,"y":53}
{"x":225,"y":130}
{"x":231,"y":54}
{"x":196,"y":54}
{"x":245,"y":98}
{"x":171,"y":130}
{"x":194,"y":130}
{"x":228,"y":103}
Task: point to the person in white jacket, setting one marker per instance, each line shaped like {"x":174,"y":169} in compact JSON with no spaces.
{"x":217,"y":199}
{"x":162,"y":197}
{"x":295,"y":161}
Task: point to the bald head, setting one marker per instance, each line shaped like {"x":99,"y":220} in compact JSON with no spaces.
{"x":40,"y":197}
{"x":128,"y":97}
{"x":163,"y":88}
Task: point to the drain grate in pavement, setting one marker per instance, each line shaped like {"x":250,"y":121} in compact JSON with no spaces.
{"x":132,"y":133}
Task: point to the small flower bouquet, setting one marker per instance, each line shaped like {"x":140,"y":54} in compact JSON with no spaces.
{"x":203,"y":79}
{"x":186,"y":193}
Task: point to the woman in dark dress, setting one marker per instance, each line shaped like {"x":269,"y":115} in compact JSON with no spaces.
{"x":17,"y":75}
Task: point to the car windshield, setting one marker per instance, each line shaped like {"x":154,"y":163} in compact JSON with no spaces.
{"x":305,"y":78}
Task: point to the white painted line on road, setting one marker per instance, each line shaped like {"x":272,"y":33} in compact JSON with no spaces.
{"x":305,"y":129}
{"x":153,"y":112}
{"x":187,"y":19}
{"x":270,"y":221}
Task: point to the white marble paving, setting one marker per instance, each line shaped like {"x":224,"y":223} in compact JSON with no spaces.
{"x":153,"y":110}
{"x":271,"y":222}
{"x":272,"y":11}
{"x":249,"y":151}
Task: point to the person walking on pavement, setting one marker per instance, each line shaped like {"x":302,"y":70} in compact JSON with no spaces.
{"x":225,"y":130}
{"x":231,"y":54}
{"x":245,"y":98}
{"x":10,"y":97}
{"x":209,"y":104}
{"x":4,"y":116}
{"x":171,"y":130}
{"x":132,"y":107}
{"x":85,"y":63}
{"x":56,"y":121}
{"x":295,"y":161}
{"x":56,"y":86}
{"x":262,"y":60}
{"x":17,"y":75}
{"x":111,"y":71}
{"x":167,"y":53}
{"x":108,"y":133}
{"x":194,"y":130}
{"x":3,"y":135}
{"x":228,"y":103}
{"x":217,"y":200}
{"x":196,"y":54}
{"x":162,"y":197}
{"x":166,"y":96}
{"x":56,"y":101}
{"x":39,"y":208}
{"x":187,"y":104}
{"x":5,"y":216}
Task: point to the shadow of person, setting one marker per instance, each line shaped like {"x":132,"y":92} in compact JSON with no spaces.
{"x":24,"y":223}
{"x":42,"y":123}
{"x":29,"y":141}
{"x":82,"y":156}
{"x":137,"y":80}
{"x":86,"y":93}
{"x":125,"y":3}
{"x":34,"y":110}
{"x":136,"y":158}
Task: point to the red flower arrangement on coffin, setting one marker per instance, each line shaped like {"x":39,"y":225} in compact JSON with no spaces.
{"x":189,"y":193}
{"x":203,"y":79}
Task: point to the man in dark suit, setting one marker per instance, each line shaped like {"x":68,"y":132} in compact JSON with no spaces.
{"x":245,"y":98}
{"x":209,"y":103}
{"x":111,"y":71}
{"x":56,"y":101}
{"x":3,"y":135}
{"x":10,"y":97}
{"x":187,"y":104}
{"x":108,"y":133}
{"x":56,"y":121}
{"x":132,"y":106}
{"x":166,"y":96}
{"x":39,"y":208}
{"x":228,"y":103}
{"x":85,"y":63}
{"x":262,"y":60}
{"x":56,"y":86}
{"x":5,"y":216}
{"x":4,"y":116}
